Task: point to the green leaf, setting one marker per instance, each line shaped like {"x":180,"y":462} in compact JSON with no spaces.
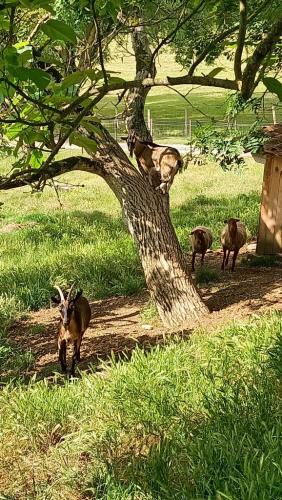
{"x":4,"y":23}
{"x":73,"y":79}
{"x":116,"y":79}
{"x":58,"y":30}
{"x":90,"y":126}
{"x":36,"y":4}
{"x":36,"y":158}
{"x":39,"y":77}
{"x":83,"y":142}
{"x":273,"y":85}
{"x":14,"y":130}
{"x":24,"y":54}
{"x":214,"y":72}
{"x":94,"y":75}
{"x":10,"y":55}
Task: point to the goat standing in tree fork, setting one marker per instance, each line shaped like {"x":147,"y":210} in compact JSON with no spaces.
{"x":75,"y":317}
{"x":160,"y":163}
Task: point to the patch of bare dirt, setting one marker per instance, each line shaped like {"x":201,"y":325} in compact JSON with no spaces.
{"x":116,"y":327}
{"x":12,"y":227}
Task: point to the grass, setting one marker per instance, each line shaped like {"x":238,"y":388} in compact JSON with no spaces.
{"x":86,"y":242}
{"x":205,"y":275}
{"x":194,"y":419}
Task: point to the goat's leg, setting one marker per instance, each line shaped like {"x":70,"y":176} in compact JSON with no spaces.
{"x":74,"y":357}
{"x":234,"y":259}
{"x":62,"y":345}
{"x":203,"y":257}
{"x":227,"y":258}
{"x":78,"y":358}
{"x":193,"y":261}
{"x":224,"y":257}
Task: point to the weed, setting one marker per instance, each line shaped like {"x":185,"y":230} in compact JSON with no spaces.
{"x":205,"y":275}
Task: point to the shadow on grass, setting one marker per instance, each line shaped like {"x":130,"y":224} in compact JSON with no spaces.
{"x":94,"y":250}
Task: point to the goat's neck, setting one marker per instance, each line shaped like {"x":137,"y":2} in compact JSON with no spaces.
{"x":139,"y":148}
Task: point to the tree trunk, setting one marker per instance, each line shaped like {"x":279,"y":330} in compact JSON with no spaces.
{"x":135,"y":102}
{"x":147,"y":212}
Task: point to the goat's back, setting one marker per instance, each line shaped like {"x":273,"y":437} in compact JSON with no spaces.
{"x":240,"y":238}
{"x":84,"y":311}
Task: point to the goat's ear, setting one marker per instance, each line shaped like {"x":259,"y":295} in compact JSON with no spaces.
{"x":78,"y":294}
{"x":237,"y":220}
{"x":56,"y":300}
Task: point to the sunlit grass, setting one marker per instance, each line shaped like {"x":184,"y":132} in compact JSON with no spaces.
{"x":199,"y":418}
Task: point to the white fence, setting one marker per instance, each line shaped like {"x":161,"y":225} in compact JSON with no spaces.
{"x":182,"y":127}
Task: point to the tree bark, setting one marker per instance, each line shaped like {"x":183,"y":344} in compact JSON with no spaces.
{"x":135,"y":102}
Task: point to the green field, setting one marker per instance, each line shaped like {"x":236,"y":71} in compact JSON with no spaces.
{"x":167,"y":108}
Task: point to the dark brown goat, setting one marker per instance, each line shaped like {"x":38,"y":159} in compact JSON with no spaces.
{"x":75,"y":317}
{"x":159,"y":163}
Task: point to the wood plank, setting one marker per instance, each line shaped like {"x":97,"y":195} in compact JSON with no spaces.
{"x":264,"y":206}
{"x":277,"y":244}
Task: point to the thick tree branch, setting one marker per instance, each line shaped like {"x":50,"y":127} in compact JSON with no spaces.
{"x":38,"y":176}
{"x":240,"y":40}
{"x":262,"y":50}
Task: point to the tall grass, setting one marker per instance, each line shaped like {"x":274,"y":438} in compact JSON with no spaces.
{"x":195,"y":419}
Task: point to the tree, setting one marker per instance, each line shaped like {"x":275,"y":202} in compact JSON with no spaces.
{"x":49,"y":90}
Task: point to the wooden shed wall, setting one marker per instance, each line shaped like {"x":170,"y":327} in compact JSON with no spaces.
{"x":270,"y":224}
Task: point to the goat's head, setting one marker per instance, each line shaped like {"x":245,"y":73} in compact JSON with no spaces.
{"x":232,"y":225}
{"x":66,"y":304}
{"x":131,"y":140}
{"x":198,"y":235}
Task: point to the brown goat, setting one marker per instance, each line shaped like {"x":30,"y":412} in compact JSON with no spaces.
{"x":233,"y":237}
{"x":201,"y":241}
{"x":159,"y":163}
{"x":75,"y":317}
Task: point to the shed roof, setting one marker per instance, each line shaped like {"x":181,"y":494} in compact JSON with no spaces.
{"x":274,"y":144}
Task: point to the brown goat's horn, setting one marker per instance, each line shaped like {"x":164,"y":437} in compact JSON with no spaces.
{"x":60,"y":292}
{"x":69,"y":294}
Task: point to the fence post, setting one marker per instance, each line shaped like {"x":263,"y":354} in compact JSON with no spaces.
{"x":149,"y":119}
{"x":274,"y":115}
{"x":151,"y":127}
{"x":116,"y":129}
{"x":190,"y":136}
{"x":186,"y":122}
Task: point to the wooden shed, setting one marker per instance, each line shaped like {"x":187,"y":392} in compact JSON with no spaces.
{"x":270,"y":224}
